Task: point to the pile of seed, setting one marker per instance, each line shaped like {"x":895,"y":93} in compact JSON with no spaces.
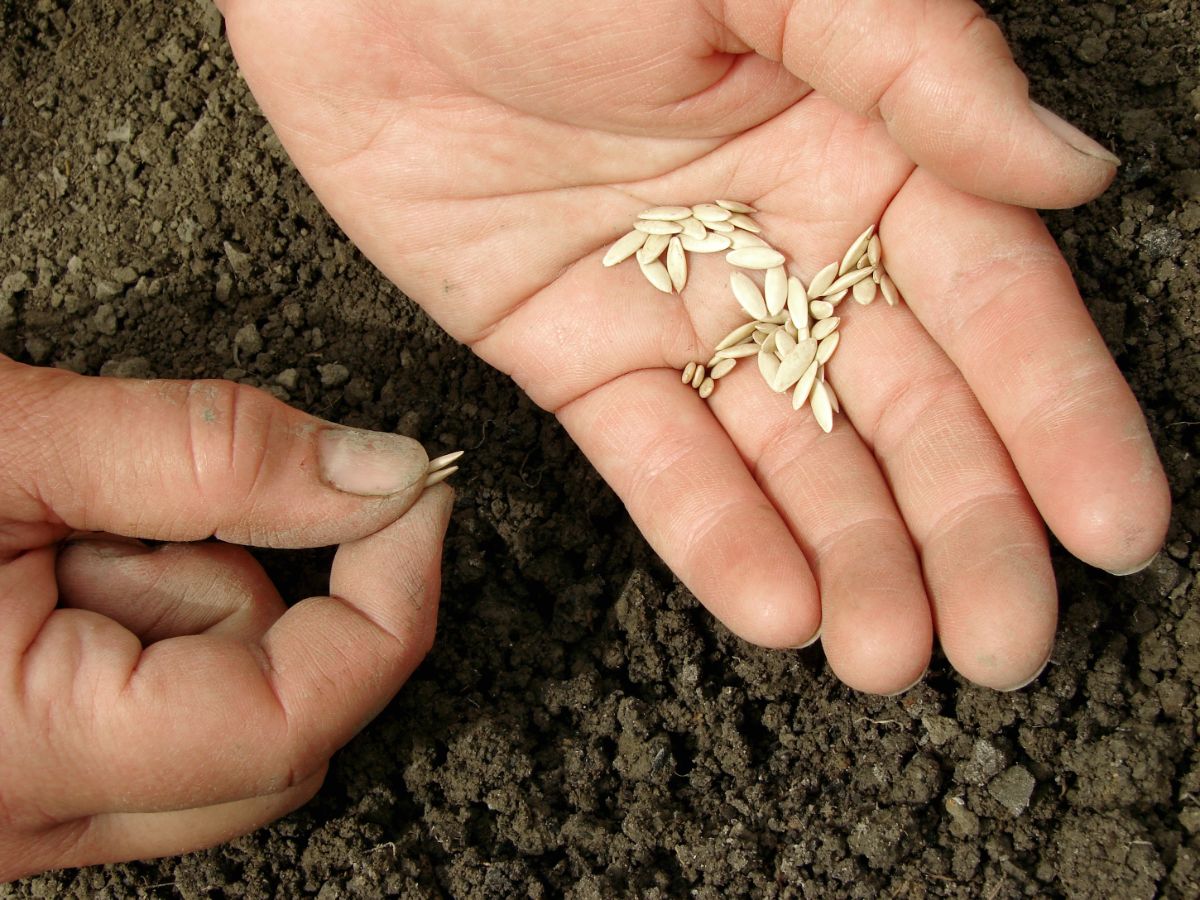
{"x":793,"y":330}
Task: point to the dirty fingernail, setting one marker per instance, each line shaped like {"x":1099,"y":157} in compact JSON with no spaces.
{"x":1135,"y":569}
{"x":109,"y":546}
{"x":1068,"y":133}
{"x":370,"y":463}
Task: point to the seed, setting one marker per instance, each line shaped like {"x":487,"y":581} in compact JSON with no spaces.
{"x":797,"y":302}
{"x":784,"y":343}
{"x":876,"y":276}
{"x":656,"y":274}
{"x":776,"y":292}
{"x":706,"y":388}
{"x":755,"y":258}
{"x":835,"y":299}
{"x":746,"y":239}
{"x":771,"y":344}
{"x":676,"y":264}
{"x":777,"y":319}
{"x":442,"y":461}
{"x":856,"y":250}
{"x":739,"y":351}
{"x":653,"y":248}
{"x":863,"y":261}
{"x":736,"y":336}
{"x":846,"y":282}
{"x":804,"y":385}
{"x":833,"y":397}
{"x":736,"y":206}
{"x":710,"y":212}
{"x":768,"y":365}
{"x":625,"y":247}
{"x":665,"y":213}
{"x":721,"y":369}
{"x":723,"y":227}
{"x":698,"y":376}
{"x":825,"y":327}
{"x":874,"y":251}
{"x":864,"y":291}
{"x":711,"y":243}
{"x":793,"y":365}
{"x":688,"y":371}
{"x":790,"y":327}
{"x":890,"y":294}
{"x":655,"y":227}
{"x":821,"y":309}
{"x":693,"y":228}
{"x":822,"y":280}
{"x":712,"y":361}
{"x":821,"y":407}
{"x":827,"y":345}
{"x":745,"y":223}
{"x":748,"y":295}
{"x":760,"y":337}
{"x":439,"y":476}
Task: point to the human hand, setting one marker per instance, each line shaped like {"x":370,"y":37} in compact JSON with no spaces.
{"x":156,"y":701}
{"x":484,"y":158}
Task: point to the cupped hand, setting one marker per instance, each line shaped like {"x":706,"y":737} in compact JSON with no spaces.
{"x":160,"y":700}
{"x":484,"y":155}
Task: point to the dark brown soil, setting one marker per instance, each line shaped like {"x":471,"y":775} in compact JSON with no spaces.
{"x":582,"y":728}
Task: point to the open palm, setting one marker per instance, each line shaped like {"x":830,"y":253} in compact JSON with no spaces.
{"x":485,"y":155}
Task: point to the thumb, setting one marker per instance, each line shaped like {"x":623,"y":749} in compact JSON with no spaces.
{"x":181,"y":461}
{"x":943,"y":80}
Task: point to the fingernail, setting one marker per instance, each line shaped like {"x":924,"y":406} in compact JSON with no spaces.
{"x":812,"y":640}
{"x":1138,"y":568}
{"x":1028,"y":681}
{"x":370,"y":463}
{"x":1067,"y":132}
{"x":109,"y":546}
{"x":909,"y":687}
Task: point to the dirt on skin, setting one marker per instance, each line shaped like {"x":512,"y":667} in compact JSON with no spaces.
{"x":583,"y":728}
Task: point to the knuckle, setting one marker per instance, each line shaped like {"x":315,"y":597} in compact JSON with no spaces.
{"x":231,"y":428}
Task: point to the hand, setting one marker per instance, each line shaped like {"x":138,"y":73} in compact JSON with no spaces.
{"x":485,"y":155}
{"x":159,"y":700}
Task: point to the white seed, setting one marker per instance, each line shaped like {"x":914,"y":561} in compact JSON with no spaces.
{"x":835,"y":299}
{"x":821,"y":407}
{"x":748,"y":295}
{"x":653,"y":248}
{"x":655,"y":227}
{"x":676,"y":264}
{"x":784,"y":343}
{"x":746,"y":239}
{"x":863,"y":261}
{"x":833,"y":397}
{"x":846,"y":282}
{"x":711,"y":243}
{"x":625,"y":247}
{"x":722,"y":368}
{"x":826,"y":327}
{"x":778,"y":319}
{"x":736,"y":336}
{"x":864,"y":291}
{"x":797,"y":303}
{"x":710,"y":212}
{"x":760,"y":337}
{"x":439,"y":476}
{"x":712,"y":361}
{"x":890,"y":294}
{"x":745,"y":223}
{"x":790,"y":327}
{"x":827,"y":345}
{"x":821,"y":309}
{"x":856,"y":250}
{"x":441,"y":462}
{"x":776,"y":292}
{"x":688,"y":371}
{"x":771,"y":344}
{"x":723,"y":227}
{"x":822,"y":280}
{"x":706,"y":388}
{"x":768,"y":365}
{"x":876,"y":276}
{"x":804,"y":385}
{"x":698,"y":376}
{"x":755,"y":258}
{"x":874,"y":251}
{"x":738,"y":352}
{"x":793,"y":365}
{"x":665,"y":213}
{"x":736,"y":206}
{"x":656,"y":274}
{"x":693,"y":228}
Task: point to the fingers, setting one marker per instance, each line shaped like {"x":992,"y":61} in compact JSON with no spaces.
{"x":989,"y":286}
{"x":182,"y":461}
{"x":215,"y":720}
{"x":942,"y":78}
{"x":177,"y":589}
{"x":689,"y":491}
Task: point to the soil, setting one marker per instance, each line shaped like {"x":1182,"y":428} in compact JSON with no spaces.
{"x":583,"y":728}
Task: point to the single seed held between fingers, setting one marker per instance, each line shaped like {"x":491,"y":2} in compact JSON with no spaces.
{"x":439,"y":476}
{"x":442,"y":461}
